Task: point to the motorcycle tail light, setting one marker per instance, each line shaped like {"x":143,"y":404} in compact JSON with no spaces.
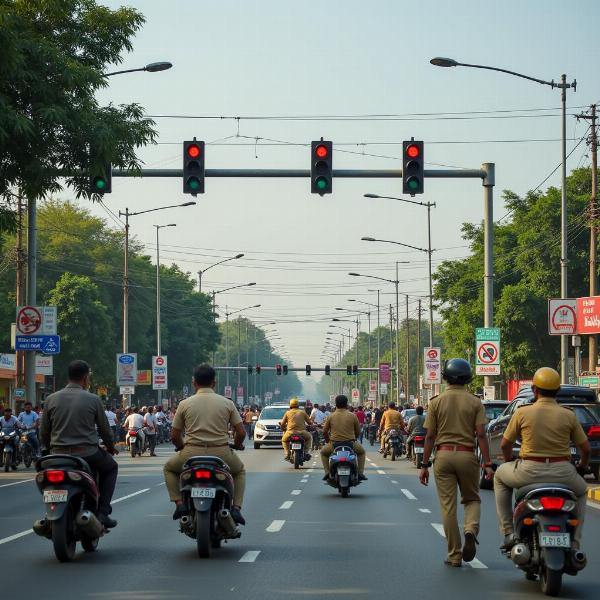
{"x":132,"y":433}
{"x":202,"y":474}
{"x":554,"y":528}
{"x":594,"y":431}
{"x":295,"y":439}
{"x":343,"y":459}
{"x":552,"y":502}
{"x":55,"y":476}
{"x":419,"y":438}
{"x":74,"y":476}
{"x":528,"y":521}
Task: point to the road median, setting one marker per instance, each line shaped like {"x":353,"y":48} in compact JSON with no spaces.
{"x":594,"y":495}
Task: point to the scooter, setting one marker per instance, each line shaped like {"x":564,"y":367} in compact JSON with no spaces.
{"x":133,"y":440}
{"x":207,"y":491}
{"x":297,"y":453}
{"x":9,"y":445}
{"x":70,"y":492}
{"x":343,"y":468}
{"x":26,"y":449}
{"x":418,"y":448}
{"x":393,"y":444}
{"x":544,"y":524}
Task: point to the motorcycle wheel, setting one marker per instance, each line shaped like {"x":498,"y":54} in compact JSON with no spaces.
{"x":297,"y":459}
{"x":550,"y":581}
{"x":393,"y":454}
{"x":345,"y":492}
{"x":203,"y":537}
{"x":419,"y":460}
{"x":63,"y":537}
{"x":89,"y":544}
{"x":132,"y":448}
{"x":27,"y":457}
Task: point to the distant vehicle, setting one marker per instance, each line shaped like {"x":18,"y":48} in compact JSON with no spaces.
{"x":267,"y":429}
{"x":494,"y":408}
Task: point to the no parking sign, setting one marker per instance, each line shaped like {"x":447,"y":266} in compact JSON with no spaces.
{"x":487,"y":351}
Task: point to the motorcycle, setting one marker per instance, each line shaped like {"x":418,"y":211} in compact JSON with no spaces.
{"x":70,"y":492}
{"x":393,"y":444}
{"x":317,"y":436}
{"x":372,"y":433}
{"x":9,"y":446}
{"x":297,"y":453}
{"x":133,"y":441}
{"x":544,"y":523}
{"x":207,"y":491}
{"x":418,"y":448}
{"x":343,"y":468}
{"x":26,"y":449}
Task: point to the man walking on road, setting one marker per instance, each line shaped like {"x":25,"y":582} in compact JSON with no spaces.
{"x":453,"y":419}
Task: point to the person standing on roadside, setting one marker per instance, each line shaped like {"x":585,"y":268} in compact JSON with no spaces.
{"x":453,"y":420}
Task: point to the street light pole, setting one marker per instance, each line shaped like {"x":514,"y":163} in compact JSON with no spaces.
{"x":200,"y":273}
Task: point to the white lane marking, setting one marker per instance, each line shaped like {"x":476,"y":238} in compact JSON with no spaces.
{"x":296,"y":492}
{"x":439,"y":528}
{"x":250,"y":556}
{"x":394,"y":481}
{"x":408,"y":494}
{"x":159,"y":484}
{"x":16,"y":483}
{"x":381,"y":472}
{"x":130,"y":495}
{"x":310,"y":471}
{"x":594,"y":505}
{"x":425,"y":510}
{"x":16,"y":536}
{"x":286,"y":505}
{"x":275,"y":526}
{"x":476,"y":564}
{"x":374,"y":465}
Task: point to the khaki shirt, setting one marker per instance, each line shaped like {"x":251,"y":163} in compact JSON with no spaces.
{"x":454,"y":415}
{"x":205,"y":418}
{"x":295,"y":419}
{"x":391,"y":419}
{"x":545,"y":429}
{"x":342,"y":426}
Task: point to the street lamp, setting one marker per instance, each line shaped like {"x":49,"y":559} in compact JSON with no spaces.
{"x":200,"y":273}
{"x":158,"y":349}
{"x":227,"y":315}
{"x":150,"y":68}
{"x":440,"y":61}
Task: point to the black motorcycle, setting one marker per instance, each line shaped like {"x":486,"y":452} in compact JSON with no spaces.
{"x":70,"y":492}
{"x":343,"y":468}
{"x":297,"y":452}
{"x":544,"y":524}
{"x":418,"y":448}
{"x":207,"y":491}
{"x":393,"y":444}
{"x":26,"y":448}
{"x":9,"y":449}
{"x":372,"y":433}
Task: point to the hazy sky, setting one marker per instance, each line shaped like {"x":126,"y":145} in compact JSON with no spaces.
{"x":305,"y":58}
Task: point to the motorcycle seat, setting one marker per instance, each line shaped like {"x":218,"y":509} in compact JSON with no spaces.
{"x":348,"y":444}
{"x":56,"y":461}
{"x":521,"y":492}
{"x":195,"y":461}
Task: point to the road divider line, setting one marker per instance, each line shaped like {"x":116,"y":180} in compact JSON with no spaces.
{"x":250,"y":556}
{"x":130,"y":495}
{"x":310,"y":470}
{"x":275,"y":526}
{"x":476,"y":564}
{"x":17,"y":482}
{"x":439,"y":528}
{"x":159,"y":484}
{"x":408,"y":494}
{"x":393,"y":481}
{"x":381,"y":472}
{"x":16,"y":536}
{"x":296,"y":492}
{"x":425,"y":510}
{"x":286,"y":505}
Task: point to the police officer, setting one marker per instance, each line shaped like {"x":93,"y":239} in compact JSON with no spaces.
{"x":342,"y":426}
{"x":391,"y":419}
{"x":205,"y":419}
{"x":545,"y":429}
{"x":294,"y":422}
{"x":453,"y":420}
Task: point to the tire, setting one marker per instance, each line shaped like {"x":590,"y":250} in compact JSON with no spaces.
{"x":297,"y":455}
{"x":345,"y":492}
{"x":203,"y":537}
{"x":419,"y":460}
{"x":550,"y":581}
{"x":393,"y":456}
{"x":63,"y":537}
{"x":256,"y":446}
{"x":132,"y":450}
{"x":89,"y":544}
{"x":27,"y":456}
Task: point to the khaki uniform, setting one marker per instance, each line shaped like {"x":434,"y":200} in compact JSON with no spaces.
{"x":342,"y":426}
{"x":294,"y":422}
{"x":452,"y":418}
{"x":545,"y":429}
{"x":205,"y":419}
{"x":391,"y":419}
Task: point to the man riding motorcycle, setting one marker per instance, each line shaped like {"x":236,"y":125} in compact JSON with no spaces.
{"x":29,"y":421}
{"x":135,"y":421}
{"x":415,"y":427}
{"x":8,"y":424}
{"x":391,"y":419}
{"x":294,"y":422}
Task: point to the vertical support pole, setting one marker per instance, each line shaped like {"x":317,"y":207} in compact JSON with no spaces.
{"x":20,"y":287}
{"x":419,"y":353}
{"x":564,"y":288}
{"x":488,"y":234}
{"x":126,"y":295}
{"x":31,"y":292}
{"x":227,"y":344}
{"x":158,"y":345}
{"x":593,"y":347}
{"x":378,"y":351}
{"x":430,"y":277}
{"x":407,"y":390}
{"x":397,"y":283}
{"x":390,"y":391}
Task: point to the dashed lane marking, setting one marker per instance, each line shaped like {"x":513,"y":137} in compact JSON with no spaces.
{"x":475,"y":563}
{"x":130,"y":495}
{"x":425,"y":510}
{"x":286,"y":505}
{"x":310,"y":471}
{"x":250,"y":556}
{"x":408,"y":494}
{"x":381,"y":472}
{"x":296,"y":492}
{"x":159,"y":484}
{"x":16,"y":536}
{"x":393,"y":481}
{"x":16,"y":483}
{"x":275,"y":526}
{"x":439,"y":528}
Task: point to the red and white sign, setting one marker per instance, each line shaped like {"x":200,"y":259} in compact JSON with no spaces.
{"x":588,"y":315}
{"x":433,"y":366}
{"x":29,"y":320}
{"x":384,"y":373}
{"x":562,"y":316}
{"x":355,"y":395}
{"x":487,"y":352}
{"x":239,"y":396}
{"x":159,"y":373}
{"x":228,"y":392}
{"x":372,"y":386}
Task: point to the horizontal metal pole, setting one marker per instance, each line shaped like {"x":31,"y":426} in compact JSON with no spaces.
{"x":303,"y":173}
{"x":303,"y":370}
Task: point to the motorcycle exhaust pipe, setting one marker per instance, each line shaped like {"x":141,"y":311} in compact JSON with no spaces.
{"x":89,"y":524}
{"x":185,"y":523}
{"x":520,"y":554}
{"x":43,"y":528}
{"x":578,"y":559}
{"x":227,"y":523}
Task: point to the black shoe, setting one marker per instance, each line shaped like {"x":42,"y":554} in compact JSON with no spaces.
{"x":307,"y":457}
{"x":153,"y":454}
{"x":469,"y":547}
{"x":362,"y":477}
{"x":326,"y":477}
{"x":509,"y":541}
{"x":286,"y":457}
{"x":181,"y":510}
{"x":107,"y":521}
{"x":236,"y":515}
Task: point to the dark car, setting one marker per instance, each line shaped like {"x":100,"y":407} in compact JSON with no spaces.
{"x":581,"y":400}
{"x":494,"y":408}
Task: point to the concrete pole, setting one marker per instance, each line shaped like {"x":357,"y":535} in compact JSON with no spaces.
{"x":593,"y":348}
{"x":397,"y":283}
{"x":125,"y":347}
{"x":378,"y":351}
{"x":564,"y":288}
{"x":430,"y":278}
{"x":407,"y":391}
{"x":158,"y":346}
{"x":419,"y":353}
{"x":31,"y":292}
{"x":390,"y":391}
{"x":488,"y":235}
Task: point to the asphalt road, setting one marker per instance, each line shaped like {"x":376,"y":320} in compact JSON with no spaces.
{"x":302,"y":540}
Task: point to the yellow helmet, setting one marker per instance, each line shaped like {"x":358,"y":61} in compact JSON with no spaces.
{"x":546,"y":379}
{"x":294,"y":403}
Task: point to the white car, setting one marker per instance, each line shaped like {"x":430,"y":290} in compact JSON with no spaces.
{"x":267,"y":429}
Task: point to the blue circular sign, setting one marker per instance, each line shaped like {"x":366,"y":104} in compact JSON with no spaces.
{"x":126,"y":359}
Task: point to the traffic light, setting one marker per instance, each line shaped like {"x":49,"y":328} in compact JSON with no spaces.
{"x":321,"y":170}
{"x":354,"y":369}
{"x":101,"y":182}
{"x":308,"y":369}
{"x":285,"y":370}
{"x":349,"y":370}
{"x":327,"y":370}
{"x":278,"y":369}
{"x":413,"y":166}
{"x":258,"y":369}
{"x":193,"y":167}
{"x":249,"y":370}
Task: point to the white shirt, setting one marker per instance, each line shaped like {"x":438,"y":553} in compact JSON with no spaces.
{"x":134,"y":421}
{"x":150,"y":421}
{"x":111,"y":416}
{"x":160,"y":417}
{"x":317,"y":416}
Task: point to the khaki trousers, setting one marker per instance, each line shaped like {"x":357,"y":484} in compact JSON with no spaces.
{"x":327,"y":451}
{"x":285,"y":440}
{"x":452,"y":469}
{"x":174,"y":466}
{"x":519,"y":473}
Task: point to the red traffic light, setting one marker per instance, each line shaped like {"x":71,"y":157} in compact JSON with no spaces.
{"x":321,"y":151}
{"x":193,"y":151}
{"x":413,"y":151}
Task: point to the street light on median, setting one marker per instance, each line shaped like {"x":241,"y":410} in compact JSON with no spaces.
{"x":200,"y":273}
{"x":150,"y":68}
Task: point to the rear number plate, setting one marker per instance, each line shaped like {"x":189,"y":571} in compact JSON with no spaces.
{"x":419,"y":450}
{"x":296,"y":446}
{"x":344,"y":471}
{"x":55,"y":496}
{"x":198,"y":492}
{"x":555,"y":540}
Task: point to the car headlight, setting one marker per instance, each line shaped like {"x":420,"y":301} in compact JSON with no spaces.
{"x":260,"y":426}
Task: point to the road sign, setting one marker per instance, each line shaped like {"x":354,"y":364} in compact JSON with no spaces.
{"x":562,"y":316}
{"x":433,"y":366}
{"x":44,"y":365}
{"x":126,"y":370}
{"x":355,"y":395}
{"x":384,"y":373}
{"x":239,"y":394}
{"x":489,"y":392}
{"x":186,"y":391}
{"x":48,"y":344}
{"x":228,"y":392}
{"x":159,"y":373}
{"x":373,"y":386}
{"x":144,"y":377}
{"x":588,"y":315}
{"x":36,"y":320}
{"x":383,"y":388}
{"x":126,"y":390}
{"x":19,"y":393}
{"x":592,"y":381}
{"x":487,"y":351}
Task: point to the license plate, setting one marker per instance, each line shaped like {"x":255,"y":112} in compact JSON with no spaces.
{"x":55,"y":496}
{"x":573,"y":450}
{"x":296,"y":446}
{"x":555,"y":540}
{"x":198,"y":492}
{"x":419,"y":450}
{"x":344,"y":471}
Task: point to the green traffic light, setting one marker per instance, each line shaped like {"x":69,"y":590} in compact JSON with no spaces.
{"x":413,"y":183}
{"x":321,"y":183}
{"x":99,"y":183}
{"x":194,"y":183}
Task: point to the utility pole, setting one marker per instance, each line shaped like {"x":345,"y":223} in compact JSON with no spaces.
{"x":390,"y":391}
{"x":126,"y":296}
{"x":20,"y":281}
{"x":419,"y":354}
{"x":407,"y":390}
{"x":30,"y":385}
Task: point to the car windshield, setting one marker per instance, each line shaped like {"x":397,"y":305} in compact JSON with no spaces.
{"x":409,"y":412}
{"x":273,"y":412}
{"x":493,"y":412}
{"x":590,"y":415}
